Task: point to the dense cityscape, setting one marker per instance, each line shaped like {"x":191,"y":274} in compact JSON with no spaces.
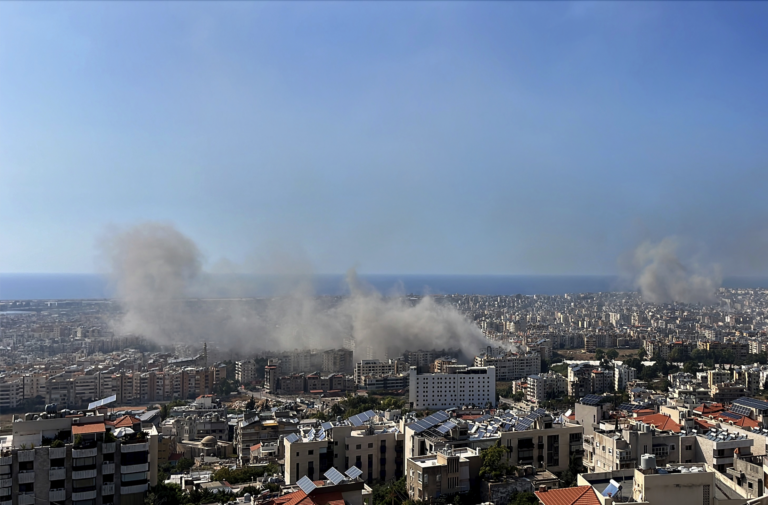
{"x":623,"y":399}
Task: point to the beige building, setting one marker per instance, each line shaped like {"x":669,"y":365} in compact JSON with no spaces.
{"x":445,"y":473}
{"x":376,"y":450}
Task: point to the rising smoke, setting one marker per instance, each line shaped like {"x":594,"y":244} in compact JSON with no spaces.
{"x":155,"y":269}
{"x":656,"y":269}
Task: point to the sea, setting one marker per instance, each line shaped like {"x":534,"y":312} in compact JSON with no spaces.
{"x":93,"y":286}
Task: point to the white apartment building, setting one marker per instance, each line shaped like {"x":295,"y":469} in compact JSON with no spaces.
{"x":467,"y":386}
{"x":542,"y":386}
{"x":622,"y":376}
{"x":510,"y":366}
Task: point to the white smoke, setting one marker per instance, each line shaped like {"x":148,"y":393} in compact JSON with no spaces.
{"x":661,"y":276}
{"x":155,"y":268}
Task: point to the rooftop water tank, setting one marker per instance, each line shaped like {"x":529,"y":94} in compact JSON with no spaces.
{"x":648,"y":462}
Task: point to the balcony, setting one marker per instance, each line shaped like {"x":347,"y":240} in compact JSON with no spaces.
{"x":139,"y":488}
{"x":84,"y":453}
{"x":84,"y":474}
{"x":141,"y":467}
{"x":723,"y":461}
{"x":108,"y":489}
{"x":26,"y":477}
{"x":108,"y":447}
{"x":57,"y":495}
{"x":25,"y":456}
{"x":6,"y":460}
{"x":57,"y":474}
{"x":84,"y":495}
{"x":6,"y":482}
{"x":57,"y":452}
{"x":107,"y":468}
{"x":138,"y":447}
{"x":27,"y":499}
{"x":5,"y":491}
{"x":7,"y":502}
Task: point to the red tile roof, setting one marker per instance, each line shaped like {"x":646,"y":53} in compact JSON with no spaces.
{"x":661,"y":422}
{"x":712,"y":408}
{"x":82,"y":429}
{"x":255,"y":447}
{"x":580,"y":495}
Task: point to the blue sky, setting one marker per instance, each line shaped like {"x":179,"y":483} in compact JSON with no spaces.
{"x":398,"y":137}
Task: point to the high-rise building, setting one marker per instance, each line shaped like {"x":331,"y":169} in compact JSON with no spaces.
{"x":468,"y":386}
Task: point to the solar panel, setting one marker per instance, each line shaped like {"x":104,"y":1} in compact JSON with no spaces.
{"x":626,"y":406}
{"x":741,"y":410}
{"x":320,"y":437}
{"x":293,"y":437}
{"x":326,"y":426}
{"x":730,"y":415}
{"x":369,"y":414}
{"x":752,"y":403}
{"x":306,"y":485}
{"x":591,"y":400}
{"x":102,"y":402}
{"x":355,"y":420}
{"x":354,"y":472}
{"x":444,"y":428}
{"x":334,"y":476}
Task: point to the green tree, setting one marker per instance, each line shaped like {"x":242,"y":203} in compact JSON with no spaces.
{"x":599,"y":354}
{"x":251,"y":404}
{"x":184,"y":464}
{"x":612,"y":354}
{"x":641,"y":353}
{"x":524,"y":499}
{"x":494,"y":464}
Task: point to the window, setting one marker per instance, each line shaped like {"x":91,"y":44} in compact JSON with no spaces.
{"x":370,"y":446}
{"x":358,"y":447}
{"x":688,"y":447}
{"x":310,"y":452}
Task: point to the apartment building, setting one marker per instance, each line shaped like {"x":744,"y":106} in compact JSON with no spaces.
{"x":245,"y":371}
{"x":338,"y":360}
{"x":543,"y":386}
{"x":535,"y":439}
{"x":376,"y":368}
{"x":90,"y":468}
{"x":509,"y":365}
{"x":376,"y":449}
{"x":464,"y":386}
{"x":443,"y":474}
{"x":11,"y":393}
{"x":262,"y":428}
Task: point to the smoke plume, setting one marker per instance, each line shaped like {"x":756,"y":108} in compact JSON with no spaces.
{"x":155,"y":268}
{"x":661,"y":276}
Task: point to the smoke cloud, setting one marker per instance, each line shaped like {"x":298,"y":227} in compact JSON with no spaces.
{"x":156,"y":269}
{"x":661,"y":276}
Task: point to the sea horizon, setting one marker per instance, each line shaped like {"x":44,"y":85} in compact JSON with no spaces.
{"x":46,"y":286}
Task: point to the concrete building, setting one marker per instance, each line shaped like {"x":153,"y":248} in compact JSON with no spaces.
{"x":467,"y":386}
{"x":446,"y":473}
{"x":245,"y":371}
{"x":509,"y":365}
{"x":544,"y":386}
{"x":87,"y":468}
{"x":376,"y":449}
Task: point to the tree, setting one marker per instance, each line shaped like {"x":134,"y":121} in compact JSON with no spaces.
{"x":641,"y":353}
{"x":184,"y":464}
{"x":599,"y":354}
{"x":612,"y":354}
{"x":251,"y":404}
{"x":494,"y":463}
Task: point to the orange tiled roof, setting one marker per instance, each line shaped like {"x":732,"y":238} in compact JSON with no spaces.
{"x":82,"y":429}
{"x":661,"y":422}
{"x":124,"y":422}
{"x":744,"y":421}
{"x":580,"y":495}
{"x":712,"y":408}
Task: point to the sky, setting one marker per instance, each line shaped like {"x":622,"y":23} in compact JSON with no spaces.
{"x":395,"y":137}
